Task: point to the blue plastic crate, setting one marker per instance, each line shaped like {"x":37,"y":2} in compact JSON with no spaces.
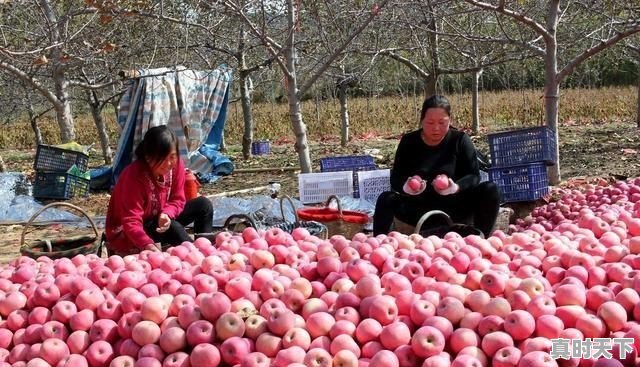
{"x":261,"y":147}
{"x":353,"y":163}
{"x":517,"y":147}
{"x":346,"y":163}
{"x":521,"y":183}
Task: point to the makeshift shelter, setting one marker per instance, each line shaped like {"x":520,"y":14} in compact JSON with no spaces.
{"x":193,"y":103}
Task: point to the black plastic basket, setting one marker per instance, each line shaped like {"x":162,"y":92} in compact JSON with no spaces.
{"x":59,"y":185}
{"x":50,"y":158}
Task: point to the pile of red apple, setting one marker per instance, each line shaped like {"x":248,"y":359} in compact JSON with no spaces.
{"x":269,"y":298}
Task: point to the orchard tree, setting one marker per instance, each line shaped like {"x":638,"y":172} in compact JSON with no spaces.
{"x":564,"y":34}
{"x":45,"y":44}
{"x":283,"y":31}
{"x":440,"y":38}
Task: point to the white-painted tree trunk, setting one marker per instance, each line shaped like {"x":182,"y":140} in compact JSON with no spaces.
{"x":295,"y":112}
{"x":638,"y":100}
{"x":475,"y":106}
{"x":552,"y":85}
{"x":247,"y":116}
{"x":63,"y":108}
{"x":344,"y":115}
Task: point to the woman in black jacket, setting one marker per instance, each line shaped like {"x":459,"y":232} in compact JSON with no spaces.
{"x":437,"y":149}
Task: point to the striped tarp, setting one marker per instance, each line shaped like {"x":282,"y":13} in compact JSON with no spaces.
{"x":193,"y":103}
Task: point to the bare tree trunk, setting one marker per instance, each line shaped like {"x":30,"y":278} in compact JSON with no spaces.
{"x":245,"y":100}
{"x":3,"y":167}
{"x":344,"y":115}
{"x":552,"y":85}
{"x":63,"y":109}
{"x":475,"y":108}
{"x":430,"y":84}
{"x":295,"y":111}
{"x":33,"y":119}
{"x":96,"y":112}
{"x":638,"y":101}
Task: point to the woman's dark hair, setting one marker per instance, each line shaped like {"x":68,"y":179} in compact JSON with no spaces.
{"x":157,"y":144}
{"x":435,"y":101}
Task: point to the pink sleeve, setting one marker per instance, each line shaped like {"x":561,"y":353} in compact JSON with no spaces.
{"x":133,"y":210}
{"x":175,"y":203}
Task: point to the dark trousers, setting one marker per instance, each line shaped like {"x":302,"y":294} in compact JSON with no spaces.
{"x":198,"y":211}
{"x":478,"y":206}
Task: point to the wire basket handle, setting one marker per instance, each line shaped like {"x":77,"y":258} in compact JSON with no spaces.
{"x":237,"y":219}
{"x":36,"y":214}
{"x":427,"y":215}
{"x":293,"y":208}
{"x":337,"y":200}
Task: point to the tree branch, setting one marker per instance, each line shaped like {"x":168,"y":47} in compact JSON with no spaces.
{"x":274,"y":48}
{"x":535,"y":26}
{"x":337,"y":52}
{"x":91,"y":86}
{"x":31,"y":81}
{"x":36,"y":51}
{"x":401,"y":59}
{"x":594,"y":50}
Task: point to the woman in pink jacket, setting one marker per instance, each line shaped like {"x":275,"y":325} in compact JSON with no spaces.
{"x":147,"y":206}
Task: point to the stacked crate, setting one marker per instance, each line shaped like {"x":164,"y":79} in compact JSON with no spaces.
{"x":354,"y":163}
{"x":519,"y":160}
{"x":56,"y":177}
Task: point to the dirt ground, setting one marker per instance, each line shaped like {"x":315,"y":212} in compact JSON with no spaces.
{"x":587,"y":151}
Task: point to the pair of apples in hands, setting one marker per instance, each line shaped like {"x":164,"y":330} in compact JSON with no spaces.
{"x":443,"y":185}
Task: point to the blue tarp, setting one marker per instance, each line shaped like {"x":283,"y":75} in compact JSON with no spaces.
{"x":193,"y":103}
